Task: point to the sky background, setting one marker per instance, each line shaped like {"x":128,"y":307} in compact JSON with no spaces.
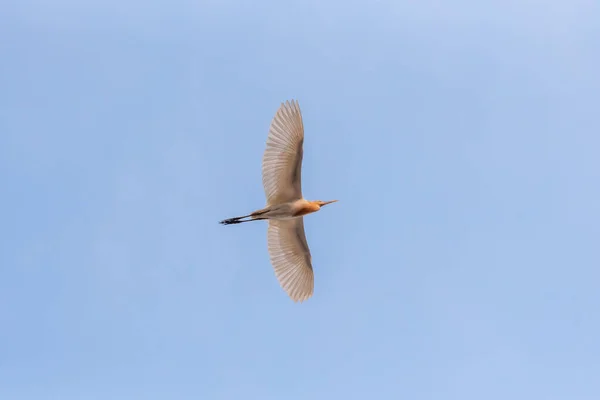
{"x":462,"y":139}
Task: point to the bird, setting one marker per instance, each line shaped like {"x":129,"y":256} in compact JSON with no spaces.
{"x":286,"y":206}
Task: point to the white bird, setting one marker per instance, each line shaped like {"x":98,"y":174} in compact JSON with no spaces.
{"x":286,"y":207}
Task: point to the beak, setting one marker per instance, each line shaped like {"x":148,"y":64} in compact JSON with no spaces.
{"x":329,"y":202}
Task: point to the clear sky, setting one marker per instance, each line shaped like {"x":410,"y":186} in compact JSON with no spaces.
{"x":462,"y":139}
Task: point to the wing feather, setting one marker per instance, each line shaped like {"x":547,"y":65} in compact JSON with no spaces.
{"x":291,"y":257}
{"x":282,"y":159}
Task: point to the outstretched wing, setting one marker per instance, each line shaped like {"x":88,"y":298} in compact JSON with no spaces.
{"x":282,"y":159}
{"x":290,"y":257}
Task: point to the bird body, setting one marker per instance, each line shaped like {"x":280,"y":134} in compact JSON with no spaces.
{"x":286,"y":207}
{"x":289,"y":210}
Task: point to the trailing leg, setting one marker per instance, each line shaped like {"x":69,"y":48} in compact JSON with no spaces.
{"x":255,"y":216}
{"x":235,"y":220}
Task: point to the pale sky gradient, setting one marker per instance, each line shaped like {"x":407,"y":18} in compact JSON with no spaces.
{"x":462,"y":139}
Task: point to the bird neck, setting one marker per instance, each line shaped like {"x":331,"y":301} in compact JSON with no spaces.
{"x":307,"y":208}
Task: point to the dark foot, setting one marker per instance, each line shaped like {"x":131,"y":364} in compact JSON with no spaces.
{"x":230,"y":221}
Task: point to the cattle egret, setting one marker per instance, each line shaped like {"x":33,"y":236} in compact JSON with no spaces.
{"x":286,"y":207}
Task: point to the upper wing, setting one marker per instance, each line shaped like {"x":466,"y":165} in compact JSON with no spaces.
{"x":290,"y":257}
{"x":282,"y":159}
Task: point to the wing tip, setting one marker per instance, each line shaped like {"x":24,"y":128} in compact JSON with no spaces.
{"x":301,"y":292}
{"x":301,"y":299}
{"x":291,"y":103}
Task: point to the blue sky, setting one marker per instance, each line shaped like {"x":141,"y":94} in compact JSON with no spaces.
{"x":462,"y":261}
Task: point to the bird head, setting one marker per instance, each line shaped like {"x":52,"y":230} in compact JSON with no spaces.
{"x":324,"y":203}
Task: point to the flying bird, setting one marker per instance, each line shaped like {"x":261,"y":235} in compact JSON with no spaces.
{"x":286,"y":207}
